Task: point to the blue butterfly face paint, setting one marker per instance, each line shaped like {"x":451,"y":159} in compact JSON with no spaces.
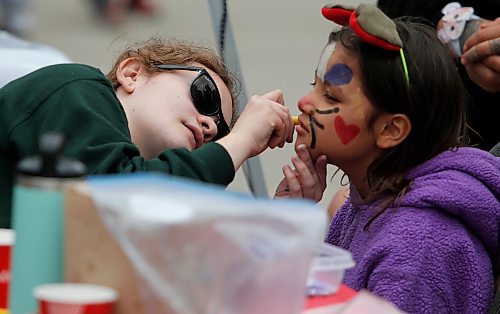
{"x":339,"y":74}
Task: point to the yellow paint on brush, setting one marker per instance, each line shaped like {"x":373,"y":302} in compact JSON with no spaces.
{"x":295,"y":120}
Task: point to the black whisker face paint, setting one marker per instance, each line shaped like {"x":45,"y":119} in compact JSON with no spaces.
{"x":313,"y":132}
{"x":313,"y":123}
{"x":333,"y":110}
{"x":316,"y":122}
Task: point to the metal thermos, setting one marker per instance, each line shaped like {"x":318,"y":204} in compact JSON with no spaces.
{"x":38,"y":221}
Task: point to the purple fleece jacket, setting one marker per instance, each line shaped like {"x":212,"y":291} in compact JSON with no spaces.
{"x":436,"y":251}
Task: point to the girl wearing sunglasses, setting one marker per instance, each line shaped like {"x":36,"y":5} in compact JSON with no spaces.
{"x":166,"y":106}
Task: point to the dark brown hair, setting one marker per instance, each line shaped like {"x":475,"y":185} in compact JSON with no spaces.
{"x":434,"y":101}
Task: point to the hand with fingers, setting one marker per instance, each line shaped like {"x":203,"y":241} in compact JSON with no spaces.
{"x":481,"y":56}
{"x":308,"y":180}
{"x":264,"y":123}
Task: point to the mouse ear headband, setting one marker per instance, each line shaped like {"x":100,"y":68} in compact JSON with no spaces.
{"x":371,"y":25}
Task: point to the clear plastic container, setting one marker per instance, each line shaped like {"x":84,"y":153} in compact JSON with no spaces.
{"x":327,"y":269}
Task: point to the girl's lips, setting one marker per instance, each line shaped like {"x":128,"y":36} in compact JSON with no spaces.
{"x":301,"y":128}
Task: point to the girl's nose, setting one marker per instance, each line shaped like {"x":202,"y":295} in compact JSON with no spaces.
{"x":305,"y":105}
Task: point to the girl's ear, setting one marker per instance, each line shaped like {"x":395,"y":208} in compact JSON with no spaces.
{"x":392,"y":129}
{"x":127,"y":73}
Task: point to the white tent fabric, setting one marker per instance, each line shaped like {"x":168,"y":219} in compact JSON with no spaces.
{"x":19,"y":57}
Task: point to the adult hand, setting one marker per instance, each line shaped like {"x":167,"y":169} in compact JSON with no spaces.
{"x":265,"y":122}
{"x":308,"y":180}
{"x":481,"y":56}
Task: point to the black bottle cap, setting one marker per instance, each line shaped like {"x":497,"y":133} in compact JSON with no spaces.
{"x":50,"y":163}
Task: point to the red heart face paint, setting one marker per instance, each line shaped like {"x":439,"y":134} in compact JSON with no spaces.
{"x":345,"y":132}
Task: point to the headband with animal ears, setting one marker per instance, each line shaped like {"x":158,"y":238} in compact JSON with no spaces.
{"x":371,"y":25}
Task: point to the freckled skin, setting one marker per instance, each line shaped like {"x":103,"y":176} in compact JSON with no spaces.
{"x":356,"y":98}
{"x":338,"y":74}
{"x":336,"y":109}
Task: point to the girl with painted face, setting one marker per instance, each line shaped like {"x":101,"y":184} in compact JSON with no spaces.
{"x":423,"y":216}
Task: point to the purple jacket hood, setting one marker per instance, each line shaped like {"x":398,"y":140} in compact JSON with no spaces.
{"x":469,"y":183}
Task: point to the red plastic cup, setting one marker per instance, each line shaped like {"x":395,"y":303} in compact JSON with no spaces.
{"x":62,"y":298}
{"x":6,"y":242}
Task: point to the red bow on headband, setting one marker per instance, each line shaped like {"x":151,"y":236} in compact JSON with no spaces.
{"x":368,"y":22}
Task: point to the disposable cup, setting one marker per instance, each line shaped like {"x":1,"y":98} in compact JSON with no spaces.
{"x":327,"y":269}
{"x":6,"y":242}
{"x":63,"y":298}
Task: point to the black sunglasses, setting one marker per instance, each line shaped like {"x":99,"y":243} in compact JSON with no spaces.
{"x":205,"y":95}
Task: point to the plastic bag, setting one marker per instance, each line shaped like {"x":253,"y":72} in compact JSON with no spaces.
{"x":201,"y":249}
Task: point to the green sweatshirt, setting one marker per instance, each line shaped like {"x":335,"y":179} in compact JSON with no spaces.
{"x":80,"y":102}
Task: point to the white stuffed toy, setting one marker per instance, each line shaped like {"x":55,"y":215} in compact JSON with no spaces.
{"x":458,"y":23}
